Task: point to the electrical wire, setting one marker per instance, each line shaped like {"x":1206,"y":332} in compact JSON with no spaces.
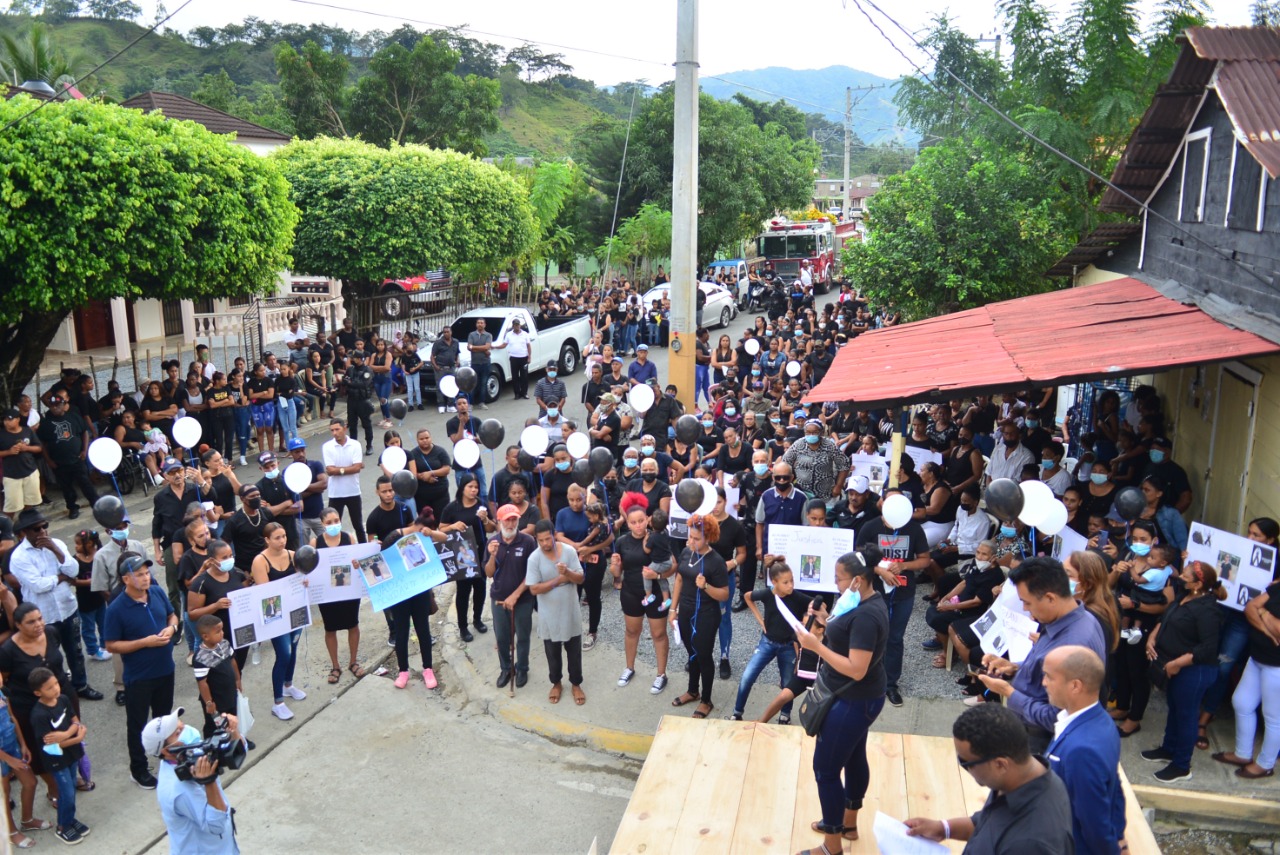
{"x":100,"y":65}
{"x":617,"y":198}
{"x":1146,"y":209}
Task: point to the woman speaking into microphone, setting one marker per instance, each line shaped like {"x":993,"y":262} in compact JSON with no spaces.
{"x":850,"y":642}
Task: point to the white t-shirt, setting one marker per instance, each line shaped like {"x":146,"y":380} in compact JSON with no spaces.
{"x":290,"y":336}
{"x":347,"y":454}
{"x":518,"y":343}
{"x":806,"y":278}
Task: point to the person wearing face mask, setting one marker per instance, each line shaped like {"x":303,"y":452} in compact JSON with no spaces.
{"x":1160,"y":464}
{"x":655,"y":491}
{"x":851,"y":643}
{"x":244,"y":530}
{"x":1101,"y":490}
{"x":339,"y":615}
{"x":1051,"y":471}
{"x":818,"y":363}
{"x":1010,"y":456}
{"x":973,"y":594}
{"x":779,"y":504}
{"x":651,"y":447}
{"x":549,"y":391}
{"x":710,"y":441}
{"x":820,"y":468}
{"x":210,"y":591}
{"x":196,"y":816}
{"x":607,"y":431}
{"x":283,"y":503}
{"x":556,"y":483}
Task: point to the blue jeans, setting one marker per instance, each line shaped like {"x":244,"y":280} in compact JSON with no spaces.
{"x":726,"y":619}
{"x":654,"y":333}
{"x":288,"y":418}
{"x":1231,"y":647}
{"x":702,"y":382}
{"x":630,"y":332}
{"x":241,"y":415}
{"x":92,"y":626}
{"x":842,"y":748}
{"x":413,"y":389}
{"x":901,"y":603}
{"x":1185,"y":692}
{"x":382,"y":388}
{"x":286,"y":648}
{"x":480,"y":395}
{"x":478,"y":471}
{"x":65,"y":779}
{"x":766,"y":652}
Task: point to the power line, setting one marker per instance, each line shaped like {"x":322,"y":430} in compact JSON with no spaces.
{"x":100,"y":65}
{"x":1146,"y":208}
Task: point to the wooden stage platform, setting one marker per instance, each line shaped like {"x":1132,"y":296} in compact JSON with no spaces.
{"x":741,"y":787}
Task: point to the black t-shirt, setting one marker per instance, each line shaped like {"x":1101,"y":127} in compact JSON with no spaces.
{"x":660,"y":490}
{"x":223,"y":494}
{"x":218,"y":396}
{"x":19,"y":465}
{"x":258,"y":385}
{"x":63,"y":436}
{"x":776,"y":627}
{"x":864,"y":628}
{"x":455,"y":511}
{"x":819,"y":364}
{"x":1261,"y":649}
{"x":286,"y":387}
{"x":46,"y":720}
{"x":469,"y":429}
{"x":708,"y":441}
{"x":213,"y":590}
{"x":381,"y":523}
{"x":410,"y":360}
{"x":614,"y":423}
{"x":710,"y":565}
{"x":982,"y":584}
{"x":634,"y":559}
{"x":502,"y":481}
{"x":732,"y":461}
{"x":557,"y":485}
{"x":214,"y":666}
{"x":190,"y":565}
{"x":436,"y":458}
{"x":905,"y":544}
{"x":591,"y":392}
{"x":732,"y":535}
{"x":245,"y":537}
{"x":274,"y":492}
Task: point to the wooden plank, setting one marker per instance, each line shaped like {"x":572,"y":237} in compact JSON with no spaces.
{"x":933,"y":780}
{"x":765,"y":811}
{"x":807,"y":807}
{"x":888,"y":788}
{"x":710,"y":809}
{"x":649,"y":824}
{"x":1220,"y":806}
{"x":1137,"y":833}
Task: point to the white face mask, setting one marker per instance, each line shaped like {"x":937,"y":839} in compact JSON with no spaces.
{"x":980,"y":564}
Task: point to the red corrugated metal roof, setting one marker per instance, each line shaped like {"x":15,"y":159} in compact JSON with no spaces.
{"x":1113,"y":329}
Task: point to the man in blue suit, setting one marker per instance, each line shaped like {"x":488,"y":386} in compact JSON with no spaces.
{"x":1085,"y":751}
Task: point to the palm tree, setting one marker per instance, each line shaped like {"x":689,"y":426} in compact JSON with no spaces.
{"x":32,"y":55}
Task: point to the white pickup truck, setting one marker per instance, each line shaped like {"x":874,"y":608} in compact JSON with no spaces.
{"x":561,"y":339}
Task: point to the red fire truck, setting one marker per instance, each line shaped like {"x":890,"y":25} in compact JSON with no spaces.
{"x":784,"y":244}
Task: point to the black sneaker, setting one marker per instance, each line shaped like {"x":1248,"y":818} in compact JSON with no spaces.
{"x":466,"y":634}
{"x":391,"y":640}
{"x":739,"y":605}
{"x":1172,"y":773}
{"x":69,"y":835}
{"x":480,"y":627}
{"x":725,"y":670}
{"x":1157,"y":755}
{"x":145,"y":780}
{"x":894,"y":697}
{"x":120,"y":698}
{"x":89,"y":693}
{"x":81,"y":827}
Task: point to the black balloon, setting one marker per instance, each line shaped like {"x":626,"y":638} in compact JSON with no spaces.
{"x":404,"y":484}
{"x":526,"y":460}
{"x":466,"y":379}
{"x":1004,"y":498}
{"x":687,"y":428}
{"x":399,"y":409}
{"x":601,"y":460}
{"x":108,"y":511}
{"x":582,"y":474}
{"x":492,"y":433}
{"x":306,"y":558}
{"x":1130,"y":503}
{"x":689,"y":495}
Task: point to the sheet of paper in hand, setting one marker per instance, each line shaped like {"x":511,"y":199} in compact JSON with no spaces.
{"x":811,"y":552}
{"x":1005,"y":628}
{"x":337,"y":576}
{"x":1245,"y":567}
{"x":262,"y":612}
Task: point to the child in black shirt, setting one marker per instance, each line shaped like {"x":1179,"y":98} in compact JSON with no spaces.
{"x":777,"y":641}
{"x":217,"y":675}
{"x":58,"y":732}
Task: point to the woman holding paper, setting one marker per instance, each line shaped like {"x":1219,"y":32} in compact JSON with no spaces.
{"x":270,"y":565}
{"x":343,"y":614}
{"x":851,"y":643}
{"x":208,"y":592}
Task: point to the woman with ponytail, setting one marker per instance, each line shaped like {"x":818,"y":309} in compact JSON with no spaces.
{"x":641,"y":558}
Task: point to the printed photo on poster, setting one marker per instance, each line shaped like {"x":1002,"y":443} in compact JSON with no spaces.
{"x":810,"y":568}
{"x":272,"y":609}
{"x":458,"y":554}
{"x":262,"y":612}
{"x":375,"y":570}
{"x":1245,"y":567}
{"x":402,"y":570}
{"x":811,"y":553}
{"x":337,"y":576}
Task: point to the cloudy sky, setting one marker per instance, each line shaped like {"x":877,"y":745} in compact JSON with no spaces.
{"x":641,"y":36}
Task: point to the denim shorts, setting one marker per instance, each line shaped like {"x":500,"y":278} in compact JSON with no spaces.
{"x":8,"y":741}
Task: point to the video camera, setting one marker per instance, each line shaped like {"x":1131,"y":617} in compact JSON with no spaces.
{"x":229,"y":752}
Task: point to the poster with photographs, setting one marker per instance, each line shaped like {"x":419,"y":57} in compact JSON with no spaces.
{"x":921,"y":456}
{"x":811,"y":553}
{"x":405,"y":568}
{"x":262,"y":612}
{"x":1005,"y":629}
{"x":337,"y":576}
{"x":873,"y":467}
{"x":1068,"y":541}
{"x":459,"y":555}
{"x":1246,"y":568}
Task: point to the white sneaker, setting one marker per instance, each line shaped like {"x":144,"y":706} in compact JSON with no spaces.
{"x":101,"y":656}
{"x":441,"y":409}
{"x":243,"y":462}
{"x":157,"y":479}
{"x":627,"y":674}
{"x":659,"y":683}
{"x":1131,"y":635}
{"x":295,"y":693}
{"x":282,"y":712}
{"x":256,"y":658}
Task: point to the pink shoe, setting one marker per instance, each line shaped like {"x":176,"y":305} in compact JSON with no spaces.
{"x":402,"y":680}
{"x":429,"y":678}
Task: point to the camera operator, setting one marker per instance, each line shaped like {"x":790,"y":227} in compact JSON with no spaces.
{"x":196,"y":815}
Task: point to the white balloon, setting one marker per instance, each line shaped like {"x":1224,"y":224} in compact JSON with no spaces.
{"x":1056,"y":520}
{"x":709,"y":497}
{"x":297,"y":476}
{"x":105,"y":454}
{"x":534,"y":440}
{"x":579,"y":445}
{"x":393,"y":458}
{"x":466,"y":453}
{"x":897,"y":511}
{"x":641,"y":398}
{"x":751,"y":346}
{"x":449,"y":386}
{"x":1037,"y":501}
{"x":187,"y":432}
{"x":793,"y":369}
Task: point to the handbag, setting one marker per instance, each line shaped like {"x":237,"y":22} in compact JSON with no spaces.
{"x":816,"y":704}
{"x":1157,"y":674}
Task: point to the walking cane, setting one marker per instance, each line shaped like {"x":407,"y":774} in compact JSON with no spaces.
{"x":511,"y":684}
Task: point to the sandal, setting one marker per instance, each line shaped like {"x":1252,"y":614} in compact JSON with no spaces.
{"x":579,"y":696}
{"x":821,"y":850}
{"x":86,"y":786}
{"x":554,"y":695}
{"x":1230,"y":759}
{"x":35,"y":825}
{"x":698,"y":713}
{"x":335,"y":674}
{"x":24,"y":843}
{"x":356,"y":670}
{"x":844,"y":830}
{"x":686,"y":698}
{"x":1243,"y":772}
{"x":1202,"y":738}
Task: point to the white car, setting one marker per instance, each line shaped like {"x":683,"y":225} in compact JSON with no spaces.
{"x":720,"y":310}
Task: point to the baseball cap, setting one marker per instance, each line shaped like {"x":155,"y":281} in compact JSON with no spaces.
{"x":296,"y":443}
{"x":1162,"y":442}
{"x":12,"y":413}
{"x":156,"y":731}
{"x":551,"y":363}
{"x":858,"y":484}
{"x":266,"y":457}
{"x":170,"y":464}
{"x":131,"y":562}
{"x":508,"y":512}
{"x":642,"y":347}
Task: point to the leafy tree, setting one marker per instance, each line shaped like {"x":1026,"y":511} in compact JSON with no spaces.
{"x":218,"y":91}
{"x":32,"y":55}
{"x":413,"y":96}
{"x":940,"y":106}
{"x":640,"y":239}
{"x":60,"y":10}
{"x":968,"y":224}
{"x":787,"y":117}
{"x":102,"y":202}
{"x":114,"y":10}
{"x":534,"y":62}
{"x":1265,"y":13}
{"x":370,"y":213}
{"x":313,"y":83}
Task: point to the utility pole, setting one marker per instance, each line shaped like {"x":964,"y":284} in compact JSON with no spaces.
{"x":996,"y":38}
{"x":684,"y":207}
{"x":848,"y":144}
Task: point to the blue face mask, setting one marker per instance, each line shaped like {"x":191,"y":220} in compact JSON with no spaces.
{"x":755,"y":372}
{"x":1033,"y":423}
{"x":646,"y":450}
{"x":1156,"y":455}
{"x":120,"y":535}
{"x":812,"y":439}
{"x":730,"y":411}
{"x":272,"y":474}
{"x":760,"y":469}
{"x":563,"y":465}
{"x":848,"y":601}
{"x":706,"y":423}
{"x":1047,"y":464}
{"x":333,"y":530}
{"x":551,"y":375}
{"x":553,"y":412}
{"x":1008,"y":531}
{"x":226,"y":565}
{"x":1140,"y":549}
{"x":630,"y":463}
{"x":1098,"y":478}
{"x":1072,"y":583}
{"x":189,"y":735}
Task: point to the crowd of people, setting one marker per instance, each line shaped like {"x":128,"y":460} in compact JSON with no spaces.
{"x":544,"y":533}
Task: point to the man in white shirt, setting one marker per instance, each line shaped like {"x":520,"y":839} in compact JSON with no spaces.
{"x":343,"y":460}
{"x":806,"y":278}
{"x":518,"y":342}
{"x":47,"y":569}
{"x":1008,"y":458}
{"x":295,"y":333}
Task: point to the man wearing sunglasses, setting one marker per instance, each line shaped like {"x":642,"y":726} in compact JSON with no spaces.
{"x":1027,"y":812}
